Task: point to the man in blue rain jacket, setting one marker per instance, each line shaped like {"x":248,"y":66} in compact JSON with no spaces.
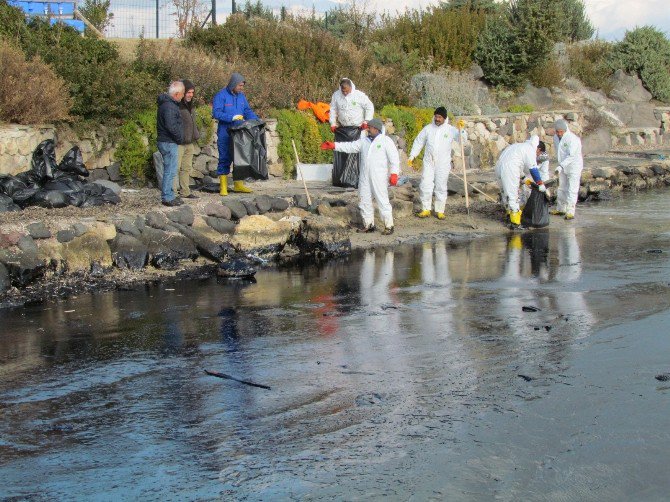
{"x":230,"y":107}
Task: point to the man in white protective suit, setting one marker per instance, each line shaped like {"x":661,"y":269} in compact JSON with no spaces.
{"x":569,"y":170}
{"x":437,"y":138}
{"x":350,"y":107}
{"x":515,"y":161}
{"x":379,"y":159}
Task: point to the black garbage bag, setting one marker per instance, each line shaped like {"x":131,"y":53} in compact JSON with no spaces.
{"x":49,"y":199}
{"x":98,"y":195}
{"x":536,"y":212}
{"x":250,"y":156}
{"x":10,"y":184}
{"x":73,"y":162}
{"x":64,"y":184}
{"x":23,"y":196}
{"x":7,"y":204}
{"x":44,"y":163}
{"x":29,"y":179}
{"x":346,"y":165}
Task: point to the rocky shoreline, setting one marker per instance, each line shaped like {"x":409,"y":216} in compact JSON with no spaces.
{"x":56,"y":253}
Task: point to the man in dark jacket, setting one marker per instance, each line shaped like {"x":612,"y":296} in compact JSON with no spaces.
{"x":187,"y":148}
{"x":170,"y":134}
{"x":230,"y":107}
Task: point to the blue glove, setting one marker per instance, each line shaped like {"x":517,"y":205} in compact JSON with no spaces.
{"x":535,"y":173}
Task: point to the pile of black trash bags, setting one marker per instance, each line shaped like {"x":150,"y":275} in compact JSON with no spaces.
{"x":50,"y":185}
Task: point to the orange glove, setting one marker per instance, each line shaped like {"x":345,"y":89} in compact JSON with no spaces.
{"x":327,"y":145}
{"x":393,"y":180}
{"x":364,"y":126}
{"x":332,"y":128}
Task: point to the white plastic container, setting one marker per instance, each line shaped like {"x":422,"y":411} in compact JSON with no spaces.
{"x":314,"y":172}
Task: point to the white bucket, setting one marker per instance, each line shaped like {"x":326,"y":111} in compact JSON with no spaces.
{"x":314,"y":172}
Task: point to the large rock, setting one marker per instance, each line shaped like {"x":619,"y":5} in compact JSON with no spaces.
{"x":250,"y":207}
{"x":205,"y":246}
{"x":38,"y":230}
{"x":402,"y":208}
{"x":604,"y":172}
{"x":22,"y":267}
{"x":82,"y":253}
{"x":259,"y":233}
{"x":322,"y":237}
{"x":114,"y":187}
{"x":221,"y":225}
{"x":167,"y":249}
{"x":183,"y":215}
{"x":218,"y":211}
{"x":128,"y":227}
{"x":634,"y":114}
{"x":539,"y":97}
{"x":129,"y":252}
{"x":237,"y":209}
{"x":598,"y":141}
{"x":157,"y":220}
{"x":279,"y":204}
{"x":264,"y":204}
{"x":628,"y":88}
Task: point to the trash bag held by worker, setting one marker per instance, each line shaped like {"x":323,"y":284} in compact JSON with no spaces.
{"x":43,"y":163}
{"x":345,"y":165}
{"x":536,"y":212}
{"x":250,"y":156}
{"x":73,"y":162}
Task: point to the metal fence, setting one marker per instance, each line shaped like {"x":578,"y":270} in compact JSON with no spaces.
{"x":163,"y":18}
{"x":157,"y":18}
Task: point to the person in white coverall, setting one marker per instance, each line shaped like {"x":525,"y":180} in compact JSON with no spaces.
{"x":515,"y":161}
{"x":437,"y":138}
{"x":350,"y":107}
{"x":379,"y":159}
{"x":569,"y":170}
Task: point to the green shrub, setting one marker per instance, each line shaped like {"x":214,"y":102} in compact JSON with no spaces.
{"x":441,"y":36}
{"x":589,"y":63}
{"x":32,"y":92}
{"x":132,"y":153}
{"x":101,"y":86}
{"x":646,"y":52}
{"x":500,"y":55}
{"x":521,"y":109}
{"x":308,"y":135}
{"x":205,"y":124}
{"x":546,"y":74}
{"x":136,"y":144}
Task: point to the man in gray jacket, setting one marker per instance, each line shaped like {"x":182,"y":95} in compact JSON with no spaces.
{"x":187,"y":148}
{"x":170,"y":134}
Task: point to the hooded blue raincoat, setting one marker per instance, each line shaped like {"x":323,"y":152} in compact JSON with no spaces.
{"x":225,"y":106}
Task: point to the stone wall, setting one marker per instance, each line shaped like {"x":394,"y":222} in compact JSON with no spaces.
{"x":488,"y":136}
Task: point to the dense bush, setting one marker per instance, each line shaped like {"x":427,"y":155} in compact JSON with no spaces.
{"x":298,"y":60}
{"x":441,"y":36}
{"x":500,"y":55}
{"x":32,"y":93}
{"x":546,"y":74}
{"x":646,"y":52}
{"x":307,"y":133}
{"x":101,"y":86}
{"x":589,"y":63}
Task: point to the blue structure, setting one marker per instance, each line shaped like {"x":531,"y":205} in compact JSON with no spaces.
{"x":55,"y":12}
